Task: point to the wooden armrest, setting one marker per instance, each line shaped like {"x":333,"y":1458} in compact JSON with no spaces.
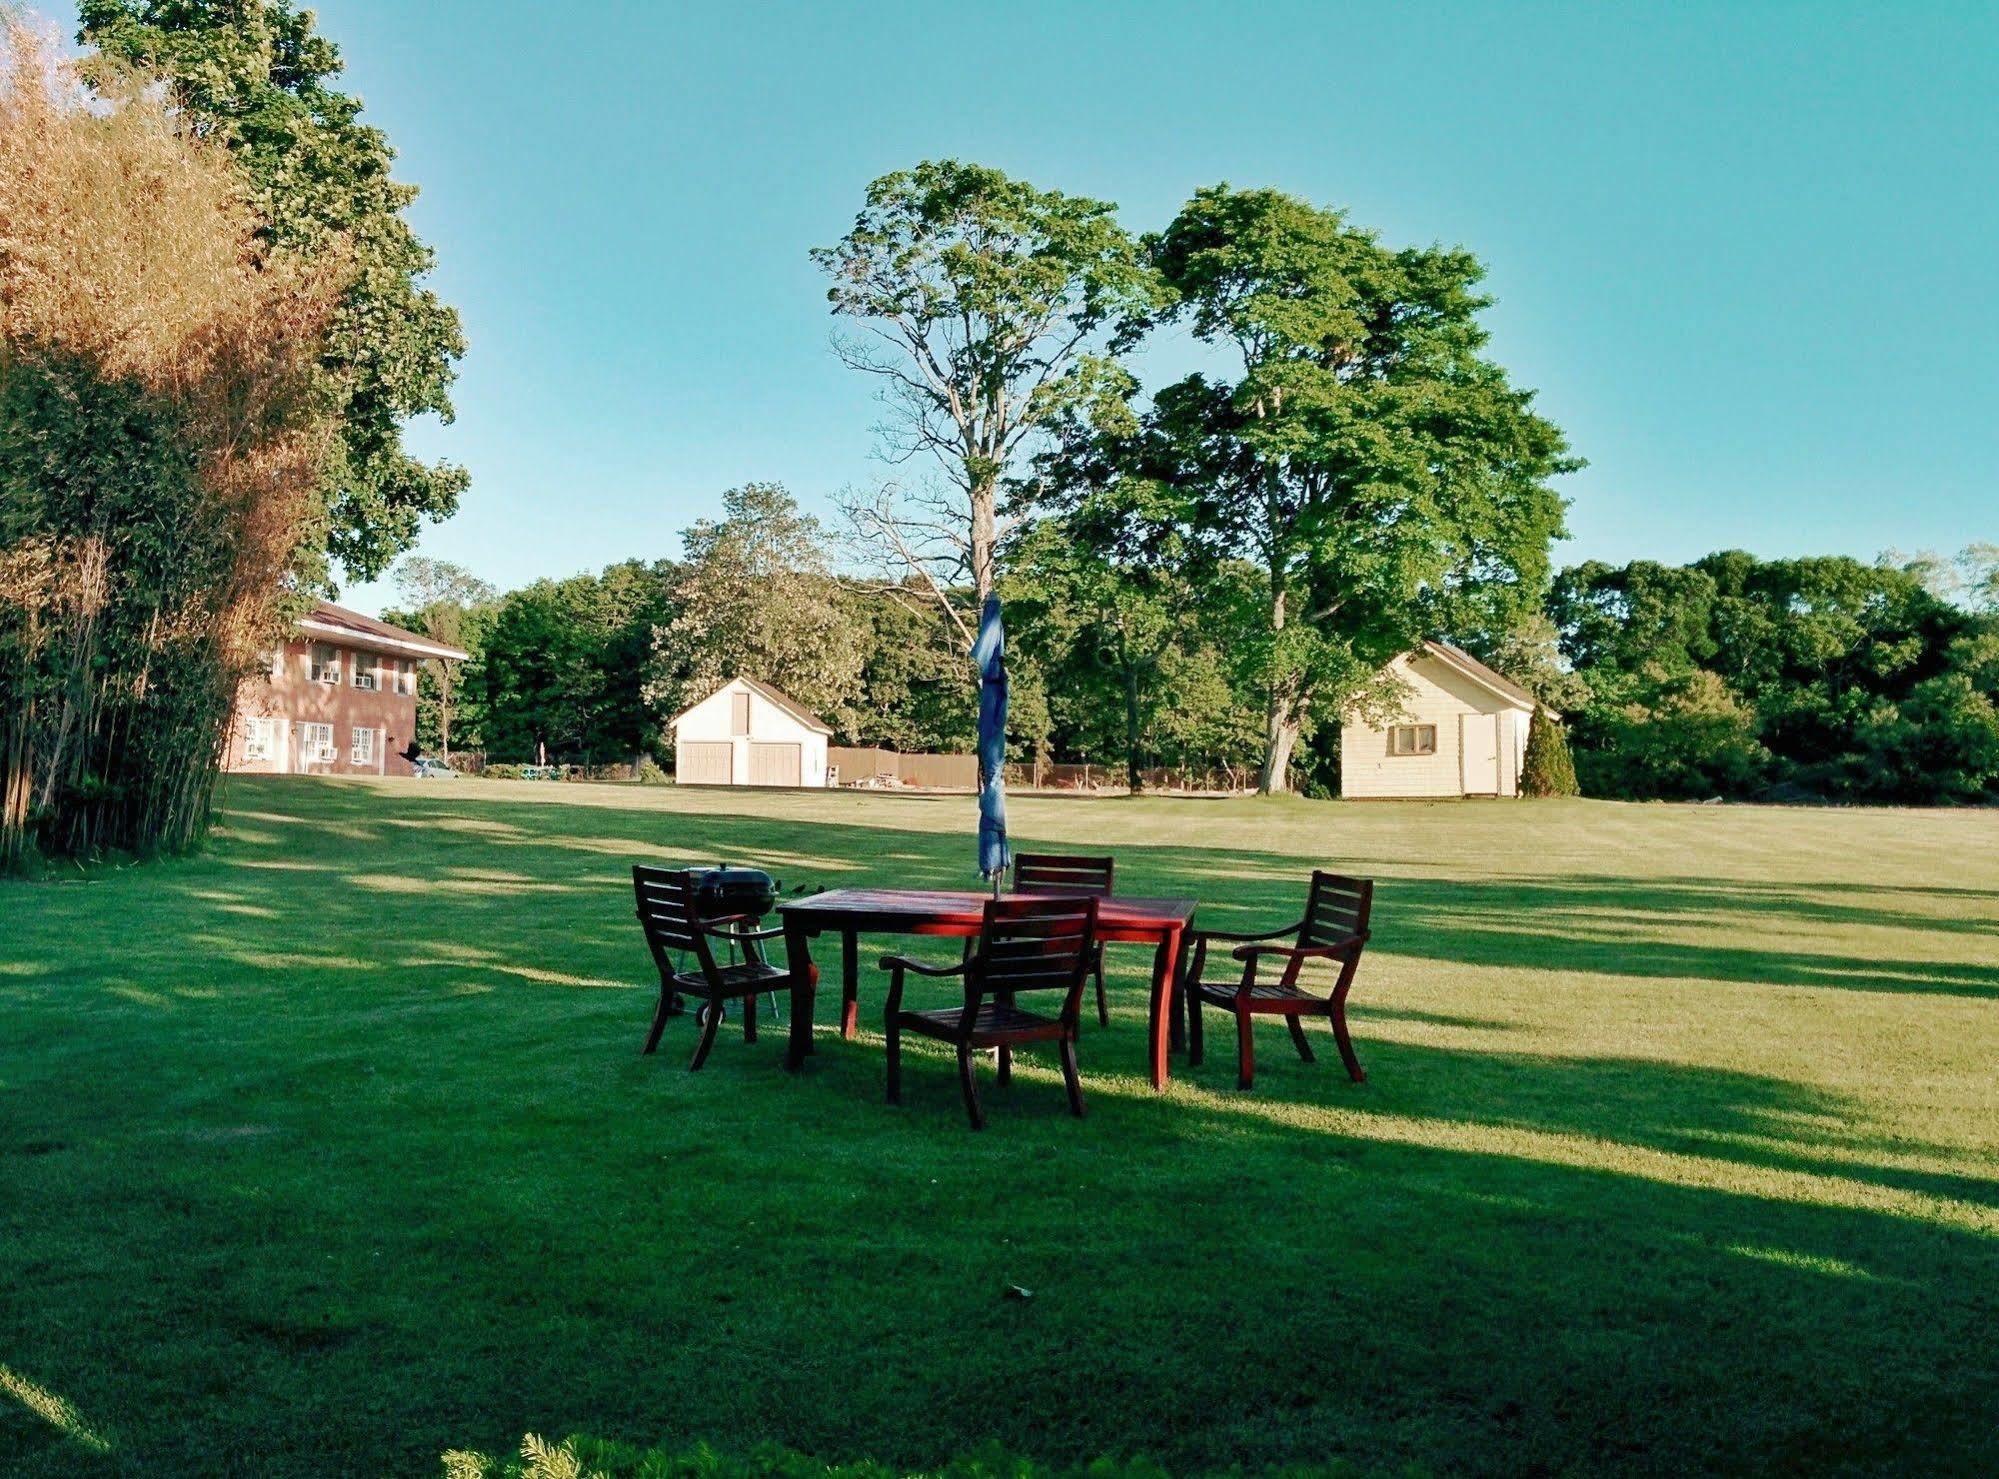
{"x":1336,"y":950}
{"x":1289,"y":929}
{"x":903,"y":962}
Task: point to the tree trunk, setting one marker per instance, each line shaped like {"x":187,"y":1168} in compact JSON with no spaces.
{"x":1280,"y":738}
{"x":1280,"y":718}
{"x":985,"y":539}
{"x":1134,"y":778}
{"x":443,"y":714}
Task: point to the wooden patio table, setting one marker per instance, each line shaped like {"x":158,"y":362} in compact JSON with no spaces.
{"x":853,"y":912}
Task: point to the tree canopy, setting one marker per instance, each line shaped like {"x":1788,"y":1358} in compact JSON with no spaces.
{"x":257,"y":76}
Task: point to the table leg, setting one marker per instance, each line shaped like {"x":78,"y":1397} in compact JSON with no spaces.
{"x":850,"y":983}
{"x":1165,"y":1003}
{"x":804,"y":984}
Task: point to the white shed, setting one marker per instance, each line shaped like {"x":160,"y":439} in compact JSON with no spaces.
{"x":1462,"y":732}
{"x":746,"y":733}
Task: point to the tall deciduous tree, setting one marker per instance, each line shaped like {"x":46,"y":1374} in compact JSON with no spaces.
{"x":756,"y":597}
{"x":1367,"y":456}
{"x":439,"y":600}
{"x":255,"y":75}
{"x":982,"y":302}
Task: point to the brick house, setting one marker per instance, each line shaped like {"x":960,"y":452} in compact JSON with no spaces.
{"x":339,"y":699}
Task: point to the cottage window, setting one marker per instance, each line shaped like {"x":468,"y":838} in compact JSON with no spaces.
{"x":739,"y":713}
{"x":405,"y":676}
{"x":366,"y":669}
{"x":1412,"y":739}
{"x":325,"y":663}
{"x":363,"y":749}
{"x":316,"y":743}
{"x":257,"y":737}
{"x":277,"y":664}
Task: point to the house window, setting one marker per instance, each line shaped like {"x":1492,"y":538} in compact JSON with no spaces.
{"x":277,"y":665}
{"x":325,"y":663}
{"x":739,"y":713}
{"x":1412,"y":739}
{"x":316,"y":743}
{"x":257,"y":739}
{"x":367,"y":668}
{"x":363,"y":750}
{"x":405,"y":676}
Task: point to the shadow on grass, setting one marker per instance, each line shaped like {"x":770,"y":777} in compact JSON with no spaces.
{"x":390,"y":1178}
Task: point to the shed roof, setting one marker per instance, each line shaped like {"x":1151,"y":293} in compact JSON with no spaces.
{"x":1464,"y":663}
{"x":330,"y":620}
{"x":781,"y":699}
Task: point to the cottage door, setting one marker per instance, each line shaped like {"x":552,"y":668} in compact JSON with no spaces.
{"x":1478,"y":746}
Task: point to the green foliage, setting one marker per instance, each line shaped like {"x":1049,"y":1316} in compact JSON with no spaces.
{"x":755,"y":597}
{"x":562,"y":666}
{"x":1378,"y":470}
{"x":1547,"y":769}
{"x":1817,"y":677}
{"x":256,"y":75}
{"x":649,"y":772}
{"x":980,"y":297}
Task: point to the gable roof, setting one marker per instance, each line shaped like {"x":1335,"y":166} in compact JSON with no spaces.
{"x":328,"y":620}
{"x":779,"y":699}
{"x":1462,"y":662}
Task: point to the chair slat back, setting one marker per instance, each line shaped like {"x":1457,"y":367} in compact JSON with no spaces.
{"x":1037,"y":945}
{"x":1063,"y":873}
{"x":666,"y":912}
{"x":1336,"y":908}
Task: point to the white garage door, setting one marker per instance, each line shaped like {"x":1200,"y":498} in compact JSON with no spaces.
{"x":777,"y":765}
{"x":704,"y":763}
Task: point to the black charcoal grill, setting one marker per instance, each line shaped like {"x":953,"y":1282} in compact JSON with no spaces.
{"x":725,"y":891}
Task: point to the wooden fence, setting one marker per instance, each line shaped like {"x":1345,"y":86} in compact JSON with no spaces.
{"x":872,"y":764}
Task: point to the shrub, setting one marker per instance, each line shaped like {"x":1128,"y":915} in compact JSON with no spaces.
{"x":504,"y":772}
{"x":161,"y":446}
{"x":649,"y":772}
{"x":1548,"y":769}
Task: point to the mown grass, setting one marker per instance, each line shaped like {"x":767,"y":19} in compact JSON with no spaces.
{"x":331,"y":1149}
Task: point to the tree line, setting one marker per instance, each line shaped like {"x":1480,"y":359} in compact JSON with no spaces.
{"x":1777,"y":680}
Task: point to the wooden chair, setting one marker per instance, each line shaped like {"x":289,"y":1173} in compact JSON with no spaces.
{"x":1334,"y":928}
{"x":1078,"y":877}
{"x":1024,"y":945}
{"x":666,"y":912}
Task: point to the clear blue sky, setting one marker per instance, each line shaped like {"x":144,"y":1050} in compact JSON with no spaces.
{"x":1746,"y":253}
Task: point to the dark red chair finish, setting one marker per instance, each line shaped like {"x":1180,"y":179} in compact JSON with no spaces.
{"x":1024,"y":946}
{"x":1078,"y":877}
{"x":667,"y":914}
{"x":1335,"y":928}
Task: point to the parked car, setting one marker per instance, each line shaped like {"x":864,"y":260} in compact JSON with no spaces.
{"x":429,"y":768}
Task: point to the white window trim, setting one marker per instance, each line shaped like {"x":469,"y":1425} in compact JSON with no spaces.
{"x":355,"y":748}
{"x":1415,"y":752}
{"x":258,"y":734}
{"x":314,"y":752}
{"x":327,"y":672}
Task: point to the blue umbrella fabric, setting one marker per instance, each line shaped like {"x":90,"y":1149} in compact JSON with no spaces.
{"x":989,"y":657}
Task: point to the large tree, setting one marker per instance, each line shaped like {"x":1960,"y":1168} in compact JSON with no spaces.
{"x":1364,"y":453}
{"x":756,"y":597}
{"x":446,"y":603}
{"x":982,"y":304}
{"x":256,"y":76}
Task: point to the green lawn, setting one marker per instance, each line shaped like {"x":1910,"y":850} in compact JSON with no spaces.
{"x":332,"y":1149}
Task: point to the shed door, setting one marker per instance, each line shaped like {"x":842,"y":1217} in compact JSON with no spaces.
{"x":1479,"y":747}
{"x":776,"y":765}
{"x":705,"y":762}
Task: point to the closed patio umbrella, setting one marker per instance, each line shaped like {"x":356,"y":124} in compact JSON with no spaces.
{"x":989,"y":657}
